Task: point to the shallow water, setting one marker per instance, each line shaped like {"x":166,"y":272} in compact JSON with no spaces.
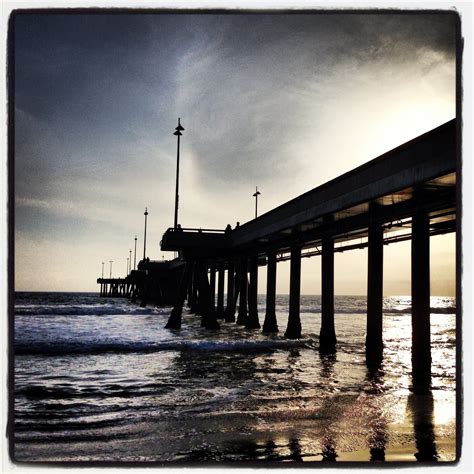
{"x":101,"y":379}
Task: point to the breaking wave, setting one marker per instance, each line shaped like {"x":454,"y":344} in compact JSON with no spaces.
{"x":101,"y":347}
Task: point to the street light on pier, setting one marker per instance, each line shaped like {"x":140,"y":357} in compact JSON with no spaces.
{"x":178,"y":133}
{"x":111,"y":261}
{"x":102,"y":269}
{"x":130,"y":262}
{"x":135,"y":255}
{"x":144,"y":239}
{"x":255,"y":195}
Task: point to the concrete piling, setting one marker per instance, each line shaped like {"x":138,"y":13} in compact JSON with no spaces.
{"x":229,"y":312}
{"x":293,"y":329}
{"x":420,"y":300}
{"x":252,"y":319}
{"x":242,"y":315}
{"x":174,"y":321}
{"x":208,"y":314}
{"x":327,"y":335}
{"x":220,"y":292}
{"x":212,"y":283}
{"x":270,"y":323}
{"x":374,"y":342}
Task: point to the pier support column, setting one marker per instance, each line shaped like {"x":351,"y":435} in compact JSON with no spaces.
{"x":327,"y":336}
{"x":174,"y":321}
{"x":229,"y":312}
{"x":293,"y":329}
{"x":194,"y":307}
{"x":420,"y":300}
{"x":145,"y":293}
{"x":208,"y":314}
{"x":373,"y":341}
{"x":220,"y":292}
{"x":270,"y":322}
{"x":252,"y":319}
{"x":242,"y":316}
{"x":236,"y":285}
{"x":190,"y":291}
{"x":212,"y":283}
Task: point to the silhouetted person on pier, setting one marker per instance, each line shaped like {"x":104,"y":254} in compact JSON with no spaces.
{"x":228,"y":229}
{"x":237,"y":225}
{"x":179,"y":228}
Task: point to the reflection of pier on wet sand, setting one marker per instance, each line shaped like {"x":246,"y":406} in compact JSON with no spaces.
{"x":347,"y":427}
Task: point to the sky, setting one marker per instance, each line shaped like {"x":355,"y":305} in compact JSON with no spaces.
{"x":285,"y":102}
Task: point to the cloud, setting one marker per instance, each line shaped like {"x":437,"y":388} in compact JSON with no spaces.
{"x":284,"y":102}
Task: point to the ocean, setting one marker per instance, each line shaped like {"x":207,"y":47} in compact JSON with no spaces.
{"x":100,"y":379}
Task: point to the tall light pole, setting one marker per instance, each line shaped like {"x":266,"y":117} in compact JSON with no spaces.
{"x":135,"y":255}
{"x":111,"y":261}
{"x":102,"y":269}
{"x":144,"y":239}
{"x":130,"y":262}
{"x":255,"y":195}
{"x":178,"y":133}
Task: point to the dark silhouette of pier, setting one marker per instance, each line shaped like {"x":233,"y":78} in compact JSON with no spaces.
{"x":408,"y":193}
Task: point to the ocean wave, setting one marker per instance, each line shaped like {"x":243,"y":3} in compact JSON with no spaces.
{"x":106,"y":310}
{"x":100,"y":347}
{"x":86,"y":310}
{"x":406,"y":310}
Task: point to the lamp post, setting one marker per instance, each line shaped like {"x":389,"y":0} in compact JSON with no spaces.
{"x":144,"y":239}
{"x":130,"y":262}
{"x":255,"y":195}
{"x":178,"y":133}
{"x":111,"y":261}
{"x":102,"y":269}
{"x":135,"y":255}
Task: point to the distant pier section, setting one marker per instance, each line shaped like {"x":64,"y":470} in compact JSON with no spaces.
{"x":154,"y":282}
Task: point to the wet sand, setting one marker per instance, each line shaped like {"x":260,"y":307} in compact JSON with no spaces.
{"x":351,"y":428}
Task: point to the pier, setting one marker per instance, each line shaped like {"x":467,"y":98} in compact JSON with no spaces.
{"x":154,"y":282}
{"x":408,"y":193}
